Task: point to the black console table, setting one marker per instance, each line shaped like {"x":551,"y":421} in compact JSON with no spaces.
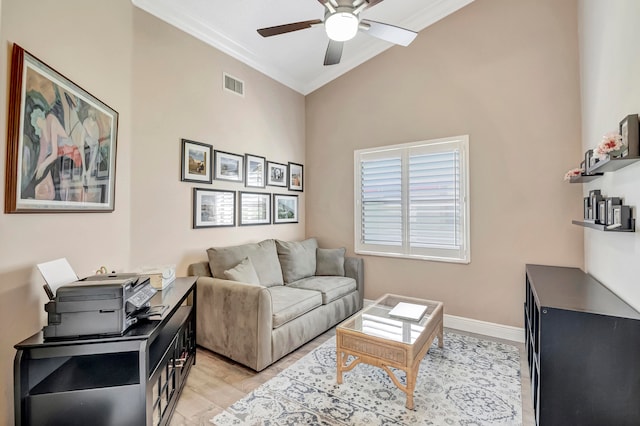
{"x":134,"y":379}
{"x":583,"y":349}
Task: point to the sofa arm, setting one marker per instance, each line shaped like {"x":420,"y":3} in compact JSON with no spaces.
{"x":235,"y":320}
{"x":354,"y":268}
{"x":200,"y":269}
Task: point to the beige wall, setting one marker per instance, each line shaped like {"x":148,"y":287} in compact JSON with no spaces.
{"x":165,"y":86}
{"x":90,"y":43}
{"x":503,"y":72}
{"x":610,"y":81}
{"x":178,"y":94}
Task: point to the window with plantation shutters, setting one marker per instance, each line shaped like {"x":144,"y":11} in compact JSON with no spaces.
{"x":411,"y":200}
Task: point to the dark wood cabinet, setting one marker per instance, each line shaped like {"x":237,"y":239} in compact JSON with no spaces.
{"x":134,"y":379}
{"x":583,"y":350}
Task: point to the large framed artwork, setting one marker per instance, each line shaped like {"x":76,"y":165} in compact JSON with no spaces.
{"x":196,"y":161}
{"x":285,"y":208}
{"x":213,"y":208}
{"x":61,"y":143}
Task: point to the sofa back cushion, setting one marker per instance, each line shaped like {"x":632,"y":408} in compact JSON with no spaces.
{"x":297,"y":259}
{"x":243,"y":272}
{"x":330,"y":261}
{"x":263,"y":256}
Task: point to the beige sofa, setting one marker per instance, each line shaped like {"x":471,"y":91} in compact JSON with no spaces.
{"x":258,"y":302}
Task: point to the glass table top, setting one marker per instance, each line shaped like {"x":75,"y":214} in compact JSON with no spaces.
{"x":376,"y":321}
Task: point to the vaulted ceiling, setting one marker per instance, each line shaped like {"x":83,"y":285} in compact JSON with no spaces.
{"x":294,"y":59}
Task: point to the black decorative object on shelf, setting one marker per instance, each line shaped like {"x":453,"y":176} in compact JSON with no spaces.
{"x":606,"y":214}
{"x":586,"y":206}
{"x":630,"y":135}
{"x":588,"y":161}
{"x":595,"y":197}
{"x":612,"y":201}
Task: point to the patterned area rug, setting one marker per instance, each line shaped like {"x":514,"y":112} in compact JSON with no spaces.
{"x":468,"y":382}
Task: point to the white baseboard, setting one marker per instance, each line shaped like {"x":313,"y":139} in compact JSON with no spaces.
{"x":507,"y":332}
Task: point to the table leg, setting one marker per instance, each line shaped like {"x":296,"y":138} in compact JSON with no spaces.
{"x":411,"y":386}
{"x":340,"y":360}
{"x":440,"y":335}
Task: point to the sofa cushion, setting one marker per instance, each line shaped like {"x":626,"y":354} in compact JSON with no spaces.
{"x":290,"y":303}
{"x":330,"y":261}
{"x":263,"y":255}
{"x":297,"y":259}
{"x":332,"y":288}
{"x":243,"y":272}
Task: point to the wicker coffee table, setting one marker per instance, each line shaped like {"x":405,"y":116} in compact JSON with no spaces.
{"x":374,"y":337}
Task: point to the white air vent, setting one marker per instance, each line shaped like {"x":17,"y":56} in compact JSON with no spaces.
{"x":232,"y":84}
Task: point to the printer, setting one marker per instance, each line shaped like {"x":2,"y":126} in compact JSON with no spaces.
{"x":99,"y":305}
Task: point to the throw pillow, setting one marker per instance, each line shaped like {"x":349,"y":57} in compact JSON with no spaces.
{"x":297,"y":259}
{"x":263,"y":255}
{"x":330,"y":261}
{"x":243,"y":272}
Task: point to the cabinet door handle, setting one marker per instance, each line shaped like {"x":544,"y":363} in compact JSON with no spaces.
{"x":179,"y":362}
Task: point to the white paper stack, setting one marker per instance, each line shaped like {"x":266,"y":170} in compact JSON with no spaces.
{"x":57,"y":273}
{"x":408,"y":311}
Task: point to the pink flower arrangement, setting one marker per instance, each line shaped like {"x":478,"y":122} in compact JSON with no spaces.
{"x":611,"y":144}
{"x":572,"y":173}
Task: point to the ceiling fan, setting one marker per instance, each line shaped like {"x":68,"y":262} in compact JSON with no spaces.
{"x":341,"y":22}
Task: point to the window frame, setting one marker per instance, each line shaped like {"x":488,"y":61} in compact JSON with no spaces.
{"x":449,"y":144}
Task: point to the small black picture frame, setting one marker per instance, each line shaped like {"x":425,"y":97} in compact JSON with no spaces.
{"x":586,"y":202}
{"x":587,"y":161}
{"x":228,"y":166}
{"x":255,"y":208}
{"x":630,"y":133}
{"x":285,"y":208}
{"x":296,"y":177}
{"x":611,"y":201}
{"x":213,"y":208}
{"x":277,"y":174}
{"x":602,"y":212}
{"x":255,"y":171}
{"x":196,"y":161}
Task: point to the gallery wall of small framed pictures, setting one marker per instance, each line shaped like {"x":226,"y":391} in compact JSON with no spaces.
{"x":203,"y":164}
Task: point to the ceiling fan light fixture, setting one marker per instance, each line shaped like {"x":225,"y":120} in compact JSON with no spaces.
{"x":341,"y":26}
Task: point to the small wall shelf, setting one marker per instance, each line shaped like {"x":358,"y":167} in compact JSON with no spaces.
{"x":600,"y":227}
{"x":611,"y":165}
{"x":584,"y":178}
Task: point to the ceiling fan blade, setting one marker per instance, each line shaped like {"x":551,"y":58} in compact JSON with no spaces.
{"x":372,"y":3}
{"x":287,"y":28}
{"x":334,"y":3}
{"x":334,"y":52}
{"x":388,"y":32}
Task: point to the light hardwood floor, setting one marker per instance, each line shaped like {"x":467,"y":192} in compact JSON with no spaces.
{"x":216,"y":382}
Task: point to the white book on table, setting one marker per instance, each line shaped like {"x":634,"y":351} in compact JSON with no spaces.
{"x":409,"y":311}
